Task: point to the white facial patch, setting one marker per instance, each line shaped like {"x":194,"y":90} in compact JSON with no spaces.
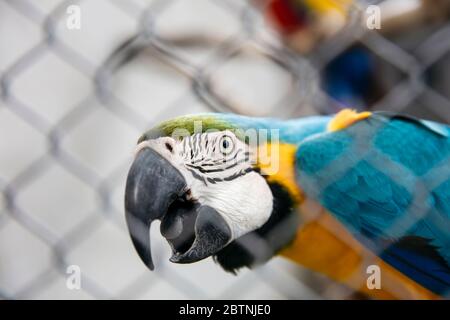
{"x":218,"y":171}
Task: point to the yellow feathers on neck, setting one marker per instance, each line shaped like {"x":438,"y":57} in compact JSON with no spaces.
{"x":277,"y":161}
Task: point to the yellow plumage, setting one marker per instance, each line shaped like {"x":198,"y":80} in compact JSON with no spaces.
{"x":324,"y":246}
{"x":346,"y":118}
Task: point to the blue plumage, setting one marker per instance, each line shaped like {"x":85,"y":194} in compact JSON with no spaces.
{"x":349,"y":78}
{"x":290,"y":131}
{"x":417,"y":263}
{"x":386,"y":179}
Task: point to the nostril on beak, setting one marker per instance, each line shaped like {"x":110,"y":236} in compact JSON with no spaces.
{"x":169,"y":146}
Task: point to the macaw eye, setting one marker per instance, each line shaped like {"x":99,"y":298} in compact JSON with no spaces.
{"x":226,"y":145}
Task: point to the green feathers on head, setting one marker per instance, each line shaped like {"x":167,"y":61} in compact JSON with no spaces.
{"x":188,"y":125}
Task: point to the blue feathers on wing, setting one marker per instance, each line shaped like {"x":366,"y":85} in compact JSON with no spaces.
{"x":387,"y":179}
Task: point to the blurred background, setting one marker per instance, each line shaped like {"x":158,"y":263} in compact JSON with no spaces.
{"x":74,"y":102}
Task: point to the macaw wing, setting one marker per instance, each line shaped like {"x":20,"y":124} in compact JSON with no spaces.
{"x":387,"y":179}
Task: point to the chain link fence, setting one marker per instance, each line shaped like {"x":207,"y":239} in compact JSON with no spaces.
{"x":74,"y":102}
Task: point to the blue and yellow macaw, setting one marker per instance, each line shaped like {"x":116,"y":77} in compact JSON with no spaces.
{"x":335,"y":194}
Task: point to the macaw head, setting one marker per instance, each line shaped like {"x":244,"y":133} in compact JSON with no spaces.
{"x":202,"y":176}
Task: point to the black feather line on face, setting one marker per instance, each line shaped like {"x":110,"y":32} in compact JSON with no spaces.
{"x":262,"y":244}
{"x":239,"y":174}
{"x":197,"y":176}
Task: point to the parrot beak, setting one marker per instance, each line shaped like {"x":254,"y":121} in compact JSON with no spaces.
{"x":211,"y":234}
{"x":155,"y":190}
{"x":152,"y":185}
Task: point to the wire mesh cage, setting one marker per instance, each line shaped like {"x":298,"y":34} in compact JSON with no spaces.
{"x":74,"y":102}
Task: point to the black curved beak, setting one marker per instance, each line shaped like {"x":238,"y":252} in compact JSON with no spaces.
{"x":155,"y":189}
{"x":152,"y":185}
